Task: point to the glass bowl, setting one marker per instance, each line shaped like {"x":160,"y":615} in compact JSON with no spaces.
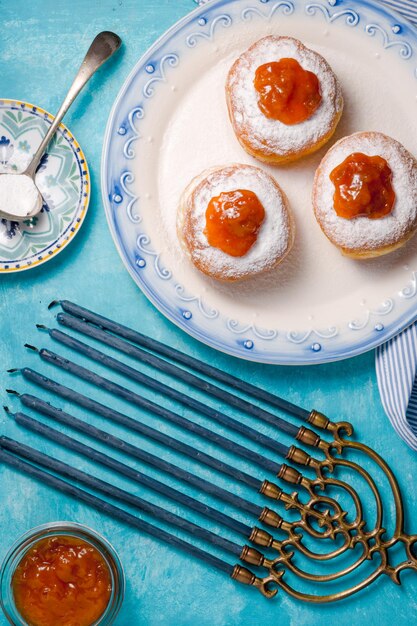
{"x":72,"y":529}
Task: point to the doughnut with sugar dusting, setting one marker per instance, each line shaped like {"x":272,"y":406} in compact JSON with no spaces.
{"x":271,"y":140}
{"x":362,"y":237}
{"x":274,"y":238}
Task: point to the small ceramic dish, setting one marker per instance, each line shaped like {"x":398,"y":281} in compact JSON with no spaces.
{"x":62,"y":178}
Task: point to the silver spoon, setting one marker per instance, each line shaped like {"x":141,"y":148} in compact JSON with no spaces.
{"x":22,"y":187}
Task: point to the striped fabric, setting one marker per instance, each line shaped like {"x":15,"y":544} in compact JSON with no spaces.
{"x":411,"y":413}
{"x":396,"y":363}
{"x":408,"y":8}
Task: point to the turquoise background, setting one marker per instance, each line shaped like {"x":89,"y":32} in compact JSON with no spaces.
{"x":41,"y":46}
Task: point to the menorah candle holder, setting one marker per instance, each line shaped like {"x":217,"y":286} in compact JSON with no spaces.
{"x":333,"y":520}
{"x":373,"y":540}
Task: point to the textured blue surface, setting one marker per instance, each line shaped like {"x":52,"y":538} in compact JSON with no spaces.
{"x":40,"y":48}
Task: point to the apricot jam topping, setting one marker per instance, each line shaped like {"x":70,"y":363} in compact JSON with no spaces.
{"x":61,"y":581}
{"x":363,"y":187}
{"x":233,"y":220}
{"x":287,"y":92}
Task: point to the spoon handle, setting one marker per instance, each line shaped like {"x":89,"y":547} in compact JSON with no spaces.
{"x":101,"y":49}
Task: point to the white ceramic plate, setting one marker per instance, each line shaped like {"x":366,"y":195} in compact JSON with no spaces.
{"x":170,"y":122}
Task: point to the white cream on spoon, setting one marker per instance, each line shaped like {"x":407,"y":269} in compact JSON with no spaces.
{"x":20,"y":198}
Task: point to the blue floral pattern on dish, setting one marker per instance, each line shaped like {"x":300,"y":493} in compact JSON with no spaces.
{"x":62,"y":176}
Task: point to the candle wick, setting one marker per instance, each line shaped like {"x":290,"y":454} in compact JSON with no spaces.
{"x":13,"y":392}
{"x":42,"y":327}
{"x":30,"y":347}
{"x":52,"y":304}
{"x":13,"y":370}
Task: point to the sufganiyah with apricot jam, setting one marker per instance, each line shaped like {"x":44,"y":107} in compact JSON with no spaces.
{"x":234,"y":222}
{"x":365,"y":195}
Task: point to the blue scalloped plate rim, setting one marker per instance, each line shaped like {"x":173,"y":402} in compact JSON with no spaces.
{"x":312,"y":353}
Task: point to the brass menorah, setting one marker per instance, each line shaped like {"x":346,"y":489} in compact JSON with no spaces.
{"x":374,"y":540}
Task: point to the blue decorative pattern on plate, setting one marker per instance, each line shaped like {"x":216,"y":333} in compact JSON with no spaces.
{"x":169,"y":123}
{"x":62,"y":178}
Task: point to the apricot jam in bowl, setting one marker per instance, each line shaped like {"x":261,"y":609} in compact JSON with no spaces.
{"x":61,"y":574}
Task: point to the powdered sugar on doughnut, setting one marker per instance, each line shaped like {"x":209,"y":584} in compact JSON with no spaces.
{"x":362,"y":232}
{"x":275,"y":236}
{"x":271,"y":136}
